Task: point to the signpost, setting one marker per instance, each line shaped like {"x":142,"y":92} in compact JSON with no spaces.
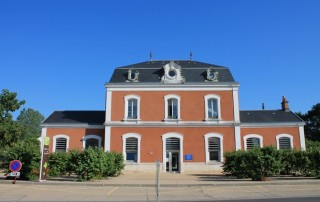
{"x":158,"y":179}
{"x":15,"y":167}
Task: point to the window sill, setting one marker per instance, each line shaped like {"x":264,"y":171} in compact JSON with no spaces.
{"x":212,"y":120}
{"x":172,"y":120}
{"x":131,"y":120}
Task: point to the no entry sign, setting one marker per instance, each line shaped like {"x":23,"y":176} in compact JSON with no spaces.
{"x":15,"y":166}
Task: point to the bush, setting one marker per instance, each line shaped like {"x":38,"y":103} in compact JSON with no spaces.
{"x":256,"y":163}
{"x":28,"y":153}
{"x":91,"y":163}
{"x":57,"y":163}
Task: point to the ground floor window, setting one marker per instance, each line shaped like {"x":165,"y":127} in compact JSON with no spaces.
{"x":91,"y":141}
{"x":284,"y":141}
{"x":60,"y":143}
{"x":251,"y":141}
{"x":131,"y":147}
{"x":214,"y":147}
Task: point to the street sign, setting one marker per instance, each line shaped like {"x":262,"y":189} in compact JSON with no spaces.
{"x":14,"y":174}
{"x":15,"y":166}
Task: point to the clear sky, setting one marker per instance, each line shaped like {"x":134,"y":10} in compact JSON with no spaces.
{"x":58,"y":54}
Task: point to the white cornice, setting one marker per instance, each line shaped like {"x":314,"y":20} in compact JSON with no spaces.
{"x":173,"y":87}
{"x":69,"y":125}
{"x":271,"y":125}
{"x":177,"y":123}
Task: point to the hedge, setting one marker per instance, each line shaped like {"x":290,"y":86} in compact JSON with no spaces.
{"x":259,"y":163}
{"x":91,"y":163}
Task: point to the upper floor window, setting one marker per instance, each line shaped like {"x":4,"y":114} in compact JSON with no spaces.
{"x":60,"y":143}
{"x":284,"y":141}
{"x":172,"y":107}
{"x":251,"y":141}
{"x":91,"y":141}
{"x":212,"y":107}
{"x":132,"y":107}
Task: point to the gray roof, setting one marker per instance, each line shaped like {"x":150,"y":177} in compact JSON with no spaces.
{"x":98,"y":117}
{"x":76,"y":117}
{"x":152,"y":71}
{"x":268,"y":116}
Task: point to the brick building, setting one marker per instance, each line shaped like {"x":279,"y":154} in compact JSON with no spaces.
{"x":184,"y":113}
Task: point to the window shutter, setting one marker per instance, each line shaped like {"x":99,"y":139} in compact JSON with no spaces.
{"x":61,"y":144}
{"x":284,"y":143}
{"x":131,"y":144}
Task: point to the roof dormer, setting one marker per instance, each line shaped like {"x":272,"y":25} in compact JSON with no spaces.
{"x":172,"y":73}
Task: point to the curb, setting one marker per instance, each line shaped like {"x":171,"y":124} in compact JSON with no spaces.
{"x":228,"y":184}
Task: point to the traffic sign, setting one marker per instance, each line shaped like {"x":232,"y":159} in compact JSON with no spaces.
{"x":15,"y":166}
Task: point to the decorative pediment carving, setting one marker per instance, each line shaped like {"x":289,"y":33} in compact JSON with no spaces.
{"x":172,"y":73}
{"x":133,"y":75}
{"x":212,"y":75}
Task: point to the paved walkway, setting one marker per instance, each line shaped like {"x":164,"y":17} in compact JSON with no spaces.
{"x":173,"y":180}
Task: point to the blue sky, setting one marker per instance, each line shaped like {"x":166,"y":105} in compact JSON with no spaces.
{"x":57,"y":55}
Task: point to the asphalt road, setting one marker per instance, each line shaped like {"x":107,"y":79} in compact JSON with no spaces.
{"x":42,"y":192}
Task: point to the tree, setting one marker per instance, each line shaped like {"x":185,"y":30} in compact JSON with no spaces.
{"x":10,"y":131}
{"x":30,"y":121}
{"x":312,"y":119}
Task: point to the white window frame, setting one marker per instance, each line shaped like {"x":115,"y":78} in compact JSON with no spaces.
{"x":124,"y":140}
{"x":284,"y":135}
{"x":166,"y":98}
{"x":206,"y":140}
{"x":164,"y":146}
{"x":55,"y":141}
{"x":84,"y":139}
{"x":126,"y":99}
{"x":206,"y":107}
{"x":250,"y":136}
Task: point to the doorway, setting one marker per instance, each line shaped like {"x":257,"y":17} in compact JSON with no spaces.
{"x":173,"y":155}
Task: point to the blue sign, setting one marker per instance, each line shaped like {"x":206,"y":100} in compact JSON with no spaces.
{"x":188,"y":157}
{"x":15,"y":165}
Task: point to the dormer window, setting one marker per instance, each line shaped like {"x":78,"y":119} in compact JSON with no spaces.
{"x":172,"y":73}
{"x":212,"y":74}
{"x":133,"y":75}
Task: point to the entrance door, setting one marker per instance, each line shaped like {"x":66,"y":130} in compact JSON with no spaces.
{"x":172,"y":154}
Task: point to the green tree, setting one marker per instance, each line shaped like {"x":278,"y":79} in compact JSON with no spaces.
{"x":30,"y":120}
{"x":312,"y":119}
{"x":10,"y":131}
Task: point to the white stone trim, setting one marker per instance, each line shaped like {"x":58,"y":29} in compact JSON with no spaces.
{"x":164,"y":138}
{"x":42,"y":137}
{"x":55,"y":140}
{"x":124,"y":139}
{"x":302,"y":138}
{"x":237,"y":137}
{"x":108,"y":105}
{"x":206,"y":98}
{"x":206,"y":138}
{"x":84,"y":139}
{"x":236,"y":108}
{"x":166,"y":98}
{"x":172,"y":123}
{"x":107,"y":138}
{"x":218,"y":86}
{"x":284,"y":135}
{"x":254,"y":136}
{"x":126,"y":98}
{"x":70,"y":125}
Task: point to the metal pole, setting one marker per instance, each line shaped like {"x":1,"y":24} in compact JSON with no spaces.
{"x":158,"y":180}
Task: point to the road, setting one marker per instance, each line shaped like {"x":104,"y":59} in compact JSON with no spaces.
{"x":42,"y":192}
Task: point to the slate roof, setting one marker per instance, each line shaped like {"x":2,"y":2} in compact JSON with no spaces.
{"x":268,"y":116}
{"x":76,"y":117}
{"x":152,"y":71}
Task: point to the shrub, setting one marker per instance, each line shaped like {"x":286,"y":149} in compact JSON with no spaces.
{"x":57,"y":163}
{"x":28,"y":153}
{"x":91,"y":163}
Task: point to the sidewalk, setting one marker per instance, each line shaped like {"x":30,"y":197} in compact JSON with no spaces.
{"x":172,"y":180}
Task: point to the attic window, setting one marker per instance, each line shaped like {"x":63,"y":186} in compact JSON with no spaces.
{"x":133,"y":75}
{"x":212,"y":75}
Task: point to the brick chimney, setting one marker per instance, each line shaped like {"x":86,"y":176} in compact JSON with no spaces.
{"x":285,"y":104}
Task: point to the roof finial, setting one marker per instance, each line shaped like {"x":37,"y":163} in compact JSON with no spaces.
{"x":150,"y":56}
{"x":190,"y":55}
{"x":262,"y":106}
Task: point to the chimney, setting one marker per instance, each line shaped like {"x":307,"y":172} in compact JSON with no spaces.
{"x":285,"y":104}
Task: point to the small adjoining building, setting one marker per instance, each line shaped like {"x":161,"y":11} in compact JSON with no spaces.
{"x":184,"y":113}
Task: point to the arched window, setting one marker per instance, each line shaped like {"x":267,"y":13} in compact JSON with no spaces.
{"x":60,"y":143}
{"x":132,"y":107}
{"x":172,"y":107}
{"x":91,"y":141}
{"x":131,"y":147}
{"x":212,"y":107}
{"x":214,"y":147}
{"x":251,"y":141}
{"x":284,"y":141}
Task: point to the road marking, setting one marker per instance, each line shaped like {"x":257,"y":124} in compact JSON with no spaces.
{"x":111,"y":191}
